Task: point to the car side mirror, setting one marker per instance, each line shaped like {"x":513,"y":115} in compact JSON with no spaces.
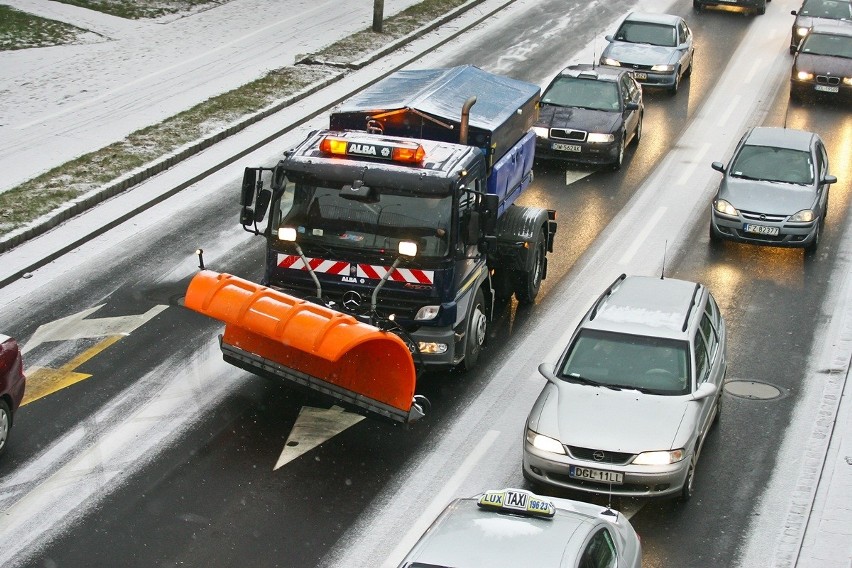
{"x":704,"y":390}
{"x":609,"y":38}
{"x":829,"y":179}
{"x":793,"y":13}
{"x":545,"y":371}
{"x":632,"y":105}
{"x":718,"y":166}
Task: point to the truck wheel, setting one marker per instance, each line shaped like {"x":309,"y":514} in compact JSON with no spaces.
{"x":476,"y":332}
{"x":5,"y":424}
{"x":528,"y":282}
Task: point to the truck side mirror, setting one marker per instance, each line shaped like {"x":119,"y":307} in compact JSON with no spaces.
{"x":249,"y":186}
{"x":490,"y":204}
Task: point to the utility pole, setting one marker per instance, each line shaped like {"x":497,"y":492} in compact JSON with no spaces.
{"x":378,"y":11}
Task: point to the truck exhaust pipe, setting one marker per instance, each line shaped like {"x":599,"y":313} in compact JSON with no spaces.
{"x":465,"y":119}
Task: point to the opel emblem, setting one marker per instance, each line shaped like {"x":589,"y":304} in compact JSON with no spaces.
{"x":351,"y":300}
{"x":598,"y":455}
{"x":763,"y":217}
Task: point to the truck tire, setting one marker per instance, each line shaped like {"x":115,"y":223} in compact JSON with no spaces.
{"x":528,"y":282}
{"x":475,"y":332}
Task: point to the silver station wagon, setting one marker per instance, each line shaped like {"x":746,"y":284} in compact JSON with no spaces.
{"x":627,"y":407}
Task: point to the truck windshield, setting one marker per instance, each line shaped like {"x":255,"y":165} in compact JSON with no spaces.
{"x":322,"y":217}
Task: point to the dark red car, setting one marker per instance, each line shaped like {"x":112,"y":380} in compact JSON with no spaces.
{"x":12,"y":383}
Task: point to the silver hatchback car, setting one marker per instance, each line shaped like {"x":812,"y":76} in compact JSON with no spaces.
{"x":514,"y":527}
{"x":627,"y":407}
{"x":774,"y":191}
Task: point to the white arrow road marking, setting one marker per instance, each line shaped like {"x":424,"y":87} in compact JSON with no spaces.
{"x":313,"y":427}
{"x":76,"y":326}
{"x":575,"y":175}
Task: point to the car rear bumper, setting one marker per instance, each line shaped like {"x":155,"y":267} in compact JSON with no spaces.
{"x":800,"y":235}
{"x":734,"y":3}
{"x":639,"y":481}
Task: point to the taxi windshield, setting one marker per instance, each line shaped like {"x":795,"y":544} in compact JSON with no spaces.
{"x":323,"y":217}
{"x":625,"y":361}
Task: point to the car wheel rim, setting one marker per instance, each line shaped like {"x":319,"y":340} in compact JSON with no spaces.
{"x":4,"y":427}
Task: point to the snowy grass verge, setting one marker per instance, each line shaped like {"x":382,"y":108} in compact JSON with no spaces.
{"x":52,"y":190}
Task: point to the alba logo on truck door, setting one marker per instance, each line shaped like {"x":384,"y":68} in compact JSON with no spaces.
{"x":348,"y":270}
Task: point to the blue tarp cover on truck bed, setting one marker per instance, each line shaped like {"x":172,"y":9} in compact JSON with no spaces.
{"x":495,"y":122}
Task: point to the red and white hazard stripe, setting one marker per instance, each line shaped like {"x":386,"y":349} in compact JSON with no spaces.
{"x":369,"y":271}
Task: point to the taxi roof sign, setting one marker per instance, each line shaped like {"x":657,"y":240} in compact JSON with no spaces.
{"x":519,"y":501}
{"x":394,"y":151}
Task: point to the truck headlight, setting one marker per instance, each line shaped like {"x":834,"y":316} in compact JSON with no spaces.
{"x":597,"y":137}
{"x":659,"y":458}
{"x":803,"y":216}
{"x":725,"y":208}
{"x":610,"y":61}
{"x":427,"y":313}
{"x":429,"y":348}
{"x":544,"y":443}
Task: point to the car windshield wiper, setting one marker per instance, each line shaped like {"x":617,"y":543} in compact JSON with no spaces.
{"x":628,"y":387}
{"x":753,"y":178}
{"x":576,"y":377}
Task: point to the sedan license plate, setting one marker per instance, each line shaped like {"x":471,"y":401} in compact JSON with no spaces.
{"x":640,"y":76}
{"x":566,"y":147}
{"x":827,"y":88}
{"x":761,"y":230}
{"x":613,"y":477}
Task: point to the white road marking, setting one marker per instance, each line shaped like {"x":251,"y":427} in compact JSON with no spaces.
{"x":313,"y":427}
{"x":729,"y":109}
{"x":76,"y":326}
{"x":575,"y":175}
{"x":441,"y":500}
{"x":642,"y":237}
{"x":695,"y":161}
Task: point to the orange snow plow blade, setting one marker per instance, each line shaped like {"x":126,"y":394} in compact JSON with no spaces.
{"x":273,"y":334}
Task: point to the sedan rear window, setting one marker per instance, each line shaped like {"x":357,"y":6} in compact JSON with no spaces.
{"x":651,"y":364}
{"x":773,"y":164}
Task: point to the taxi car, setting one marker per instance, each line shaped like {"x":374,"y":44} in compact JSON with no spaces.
{"x":628,"y":405}
{"x":774,"y":191}
{"x":823,"y":63}
{"x":815,"y":12}
{"x":12,"y":384}
{"x":657,"y":48}
{"x":589,"y":114}
{"x":515,"y":527}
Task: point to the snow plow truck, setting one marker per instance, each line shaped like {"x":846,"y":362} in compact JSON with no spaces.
{"x":390,"y":236}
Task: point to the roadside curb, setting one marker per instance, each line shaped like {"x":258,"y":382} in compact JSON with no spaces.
{"x":89,"y":200}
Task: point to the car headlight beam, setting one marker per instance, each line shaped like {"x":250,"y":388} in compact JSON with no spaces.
{"x":541,"y":132}
{"x":544,"y":443}
{"x":610,"y":61}
{"x":804,"y":76}
{"x":663,"y":68}
{"x":801,"y":32}
{"x":599,"y":138}
{"x":803,"y":216}
{"x":725,"y":208}
{"x":659,"y":458}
